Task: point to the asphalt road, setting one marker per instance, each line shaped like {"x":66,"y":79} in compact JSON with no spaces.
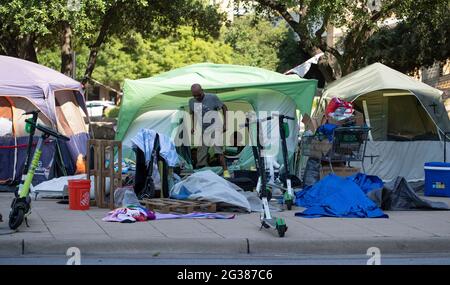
{"x":189,"y":259}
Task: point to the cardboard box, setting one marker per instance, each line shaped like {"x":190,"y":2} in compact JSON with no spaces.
{"x":359,"y":118}
{"x":310,"y":124}
{"x":318,"y":149}
{"x":342,"y":171}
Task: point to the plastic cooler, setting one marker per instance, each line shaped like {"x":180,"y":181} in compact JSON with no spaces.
{"x":79,"y":194}
{"x":437,"y":179}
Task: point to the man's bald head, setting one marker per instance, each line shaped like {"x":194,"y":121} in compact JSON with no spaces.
{"x":197,"y":92}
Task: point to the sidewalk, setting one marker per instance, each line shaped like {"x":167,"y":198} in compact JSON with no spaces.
{"x":54,"y":228}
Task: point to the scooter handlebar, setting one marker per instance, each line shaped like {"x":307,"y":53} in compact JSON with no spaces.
{"x":255,"y":121}
{"x":48,"y":131}
{"x":284,"y":117}
{"x":32,"y":112}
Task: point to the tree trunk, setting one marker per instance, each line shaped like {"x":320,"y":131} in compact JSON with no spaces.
{"x":95,"y":48}
{"x":20,"y":47}
{"x":66,"y":50}
{"x":26,"y":48}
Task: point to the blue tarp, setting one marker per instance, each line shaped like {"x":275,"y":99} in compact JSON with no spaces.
{"x":334,"y":196}
{"x":367,"y":183}
{"x":327,"y":130}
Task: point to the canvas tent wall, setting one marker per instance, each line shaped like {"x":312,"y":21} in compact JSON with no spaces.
{"x":26,"y":86}
{"x":156,"y":102}
{"x":407,"y":117}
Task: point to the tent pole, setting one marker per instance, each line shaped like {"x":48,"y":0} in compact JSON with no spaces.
{"x":366,"y":115}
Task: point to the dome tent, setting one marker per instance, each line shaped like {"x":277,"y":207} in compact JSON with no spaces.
{"x":155,"y":102}
{"x":26,"y":86}
{"x":407,"y":119}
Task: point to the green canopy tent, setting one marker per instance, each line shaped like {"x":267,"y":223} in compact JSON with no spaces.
{"x":156,"y":102}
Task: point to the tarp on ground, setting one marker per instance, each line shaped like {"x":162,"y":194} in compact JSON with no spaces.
{"x":398,"y":195}
{"x":335,"y":196}
{"x":156,"y":102}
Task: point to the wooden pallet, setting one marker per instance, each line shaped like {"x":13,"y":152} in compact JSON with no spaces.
{"x":165,"y":205}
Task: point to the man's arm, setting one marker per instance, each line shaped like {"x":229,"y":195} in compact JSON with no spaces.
{"x":192,"y":121}
{"x":224,"y":110}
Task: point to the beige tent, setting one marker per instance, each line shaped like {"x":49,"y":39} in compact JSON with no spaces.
{"x":407,"y":119}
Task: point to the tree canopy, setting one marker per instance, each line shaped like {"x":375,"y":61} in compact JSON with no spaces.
{"x":420,"y":40}
{"x":27,"y":25}
{"x":360,"y":19}
{"x":135,"y":55}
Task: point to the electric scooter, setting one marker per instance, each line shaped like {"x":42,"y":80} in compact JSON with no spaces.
{"x":265,"y":193}
{"x":286,"y":188}
{"x":21,"y":204}
{"x":288,"y":195}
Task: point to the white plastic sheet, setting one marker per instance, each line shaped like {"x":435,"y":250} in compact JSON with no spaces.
{"x":206,"y":185}
{"x":56,"y":187}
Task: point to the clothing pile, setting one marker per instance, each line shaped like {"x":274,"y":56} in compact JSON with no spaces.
{"x":130,"y":214}
{"x":145,"y":141}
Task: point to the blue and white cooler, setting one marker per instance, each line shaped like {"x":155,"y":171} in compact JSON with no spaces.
{"x":437,"y":179}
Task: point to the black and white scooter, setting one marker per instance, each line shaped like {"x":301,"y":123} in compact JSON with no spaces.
{"x":265,"y":193}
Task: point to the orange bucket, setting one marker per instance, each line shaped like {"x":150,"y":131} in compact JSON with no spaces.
{"x":79,"y":194}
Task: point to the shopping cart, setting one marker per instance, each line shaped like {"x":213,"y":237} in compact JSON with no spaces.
{"x":311,"y":145}
{"x":349,"y":144}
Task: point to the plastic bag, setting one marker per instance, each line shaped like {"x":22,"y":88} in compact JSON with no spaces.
{"x":339,"y":109}
{"x":124,"y":197}
{"x":312,"y":172}
{"x":130,"y":199}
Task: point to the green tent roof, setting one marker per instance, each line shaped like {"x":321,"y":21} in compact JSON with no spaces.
{"x":171,"y":90}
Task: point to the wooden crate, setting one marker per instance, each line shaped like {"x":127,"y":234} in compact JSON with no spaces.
{"x":164,"y":205}
{"x":342,"y":171}
{"x":104,"y":150}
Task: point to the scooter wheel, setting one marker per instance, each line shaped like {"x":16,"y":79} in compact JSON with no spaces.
{"x":265,"y":225}
{"x":16,"y":218}
{"x":289,"y":204}
{"x":281,"y":230}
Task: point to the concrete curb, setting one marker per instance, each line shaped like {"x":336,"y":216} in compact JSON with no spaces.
{"x":11,"y":247}
{"x":351,"y":246}
{"x":224,"y":246}
{"x":123,"y":246}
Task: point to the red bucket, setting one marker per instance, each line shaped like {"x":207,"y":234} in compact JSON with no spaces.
{"x":79,"y":194}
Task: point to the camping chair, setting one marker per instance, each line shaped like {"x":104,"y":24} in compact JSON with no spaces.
{"x":349,"y":144}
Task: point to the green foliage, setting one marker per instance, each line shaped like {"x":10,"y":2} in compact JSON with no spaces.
{"x":260,"y":43}
{"x":112,"y":112}
{"x":419,"y":40}
{"x":426,"y":21}
{"x":97,"y":21}
{"x":135,"y":57}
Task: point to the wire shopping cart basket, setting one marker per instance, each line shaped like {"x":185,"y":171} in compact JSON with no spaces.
{"x":349,"y":144}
